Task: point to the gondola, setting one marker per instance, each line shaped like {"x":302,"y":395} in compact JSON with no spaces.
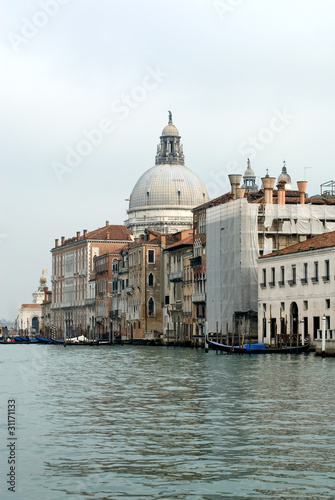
{"x":259,"y":348}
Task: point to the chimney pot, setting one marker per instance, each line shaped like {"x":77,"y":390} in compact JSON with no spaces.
{"x":56,"y":243}
{"x":268,"y":184}
{"x":63,"y":240}
{"x":281,"y":192}
{"x":107,"y":222}
{"x":78,"y":235}
{"x":235,"y":181}
{"x":302,"y":185}
{"x":240,"y":192}
{"x":85,"y":233}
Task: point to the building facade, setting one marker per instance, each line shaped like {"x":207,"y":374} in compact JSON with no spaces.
{"x":296,"y":290}
{"x":72,"y":274}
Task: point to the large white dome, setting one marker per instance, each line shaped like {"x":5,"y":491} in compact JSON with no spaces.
{"x":164,"y":196}
{"x":168,"y":185}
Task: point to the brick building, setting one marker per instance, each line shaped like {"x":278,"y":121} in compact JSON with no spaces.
{"x":72,"y":274}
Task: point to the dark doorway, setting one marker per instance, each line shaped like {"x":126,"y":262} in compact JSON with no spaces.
{"x":294,"y":320}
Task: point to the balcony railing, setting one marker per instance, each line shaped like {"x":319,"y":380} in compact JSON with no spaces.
{"x":177,"y":306}
{"x":199,"y":297}
{"x":304,"y":281}
{"x":281,"y":283}
{"x":326,"y":279}
{"x":315,"y":279}
{"x":177,"y":276}
{"x":90,"y":302}
{"x":292,"y":282}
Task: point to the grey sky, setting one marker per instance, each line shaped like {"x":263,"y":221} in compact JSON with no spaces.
{"x":231,"y":70}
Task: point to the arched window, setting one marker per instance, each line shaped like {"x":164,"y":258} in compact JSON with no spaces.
{"x":151,"y":307}
{"x":151,"y":280}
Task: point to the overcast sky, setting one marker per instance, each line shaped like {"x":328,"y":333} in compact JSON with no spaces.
{"x":85,"y":90}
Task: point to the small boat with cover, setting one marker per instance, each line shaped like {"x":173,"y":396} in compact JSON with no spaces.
{"x":258,"y":348}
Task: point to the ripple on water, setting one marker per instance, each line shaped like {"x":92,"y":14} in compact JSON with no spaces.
{"x":132,"y":422}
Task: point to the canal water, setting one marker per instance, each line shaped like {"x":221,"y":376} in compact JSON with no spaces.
{"x":127,"y":422}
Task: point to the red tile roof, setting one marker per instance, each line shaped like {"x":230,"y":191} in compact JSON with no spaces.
{"x":115,"y":232}
{"x":325,"y":240}
{"x":31,"y":306}
{"x":185,"y":242}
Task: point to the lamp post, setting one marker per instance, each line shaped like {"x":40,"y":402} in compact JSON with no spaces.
{"x":323,"y":338}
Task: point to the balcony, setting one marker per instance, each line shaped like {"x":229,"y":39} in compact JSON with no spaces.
{"x":281,"y":283}
{"x":99,"y":320}
{"x":315,"y":279}
{"x":177,"y":276}
{"x":196,"y":261}
{"x":114,"y":314}
{"x":292,"y":282}
{"x":304,"y":281}
{"x":272,"y":284}
{"x":90,"y":302}
{"x":326,"y":279}
{"x":130,"y":290}
{"x":199,"y":297}
{"x":178,"y":306}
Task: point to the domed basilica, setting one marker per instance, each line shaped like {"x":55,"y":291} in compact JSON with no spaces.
{"x":164,"y":196}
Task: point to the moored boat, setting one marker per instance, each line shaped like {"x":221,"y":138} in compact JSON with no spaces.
{"x":258,"y":348}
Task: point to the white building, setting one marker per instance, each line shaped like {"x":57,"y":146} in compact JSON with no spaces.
{"x":164,"y":196}
{"x":242,"y":226}
{"x":29,"y":317}
{"x":296,"y":289}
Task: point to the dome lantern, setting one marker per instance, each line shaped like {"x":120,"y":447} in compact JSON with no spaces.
{"x":249,"y":179}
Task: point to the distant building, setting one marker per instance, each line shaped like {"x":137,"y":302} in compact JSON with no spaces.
{"x":179,"y":326}
{"x":29,"y":317}
{"x":72,"y":272}
{"x":296,"y":289}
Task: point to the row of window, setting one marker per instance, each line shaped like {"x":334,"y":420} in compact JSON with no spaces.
{"x":281,"y":327}
{"x":304,"y":304}
{"x":304,"y":278}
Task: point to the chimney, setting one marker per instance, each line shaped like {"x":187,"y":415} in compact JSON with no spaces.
{"x":163,"y":239}
{"x":281,"y":192}
{"x":63,"y":240}
{"x":78,"y":235}
{"x":107,"y":236}
{"x":107,"y":223}
{"x":235,"y":181}
{"x":240,"y":193}
{"x":85,"y":233}
{"x":302,"y":185}
{"x":268,"y":183}
{"x":56,"y":243}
